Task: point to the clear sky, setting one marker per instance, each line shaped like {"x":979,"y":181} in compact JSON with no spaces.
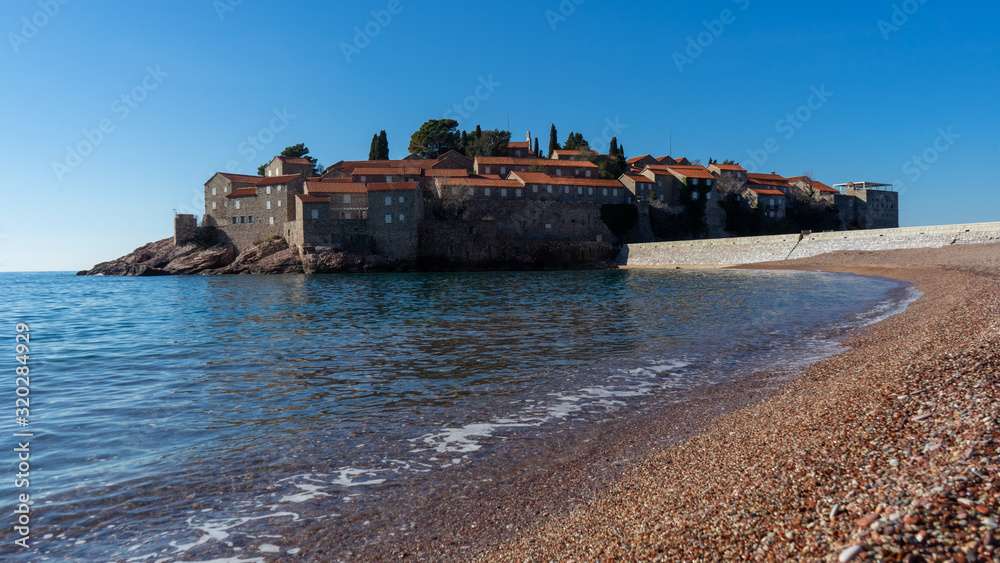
{"x":116,"y":113}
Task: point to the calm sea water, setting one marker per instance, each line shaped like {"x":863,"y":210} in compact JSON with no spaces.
{"x":178,"y":416}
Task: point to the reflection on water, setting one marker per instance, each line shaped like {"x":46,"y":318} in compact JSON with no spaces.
{"x":173,"y":414}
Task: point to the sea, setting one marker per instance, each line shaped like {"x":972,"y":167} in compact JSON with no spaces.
{"x":213,"y":418}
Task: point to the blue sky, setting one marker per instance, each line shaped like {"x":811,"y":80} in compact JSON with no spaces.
{"x":116,"y":114}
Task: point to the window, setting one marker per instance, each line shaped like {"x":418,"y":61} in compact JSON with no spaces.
{"x":402,"y":217}
{"x":708,"y":196}
{"x":605,"y":194}
{"x":243,"y":219}
{"x":250,"y":219}
{"x":503,"y":192}
{"x":548,"y":225}
{"x":315,"y":213}
{"x":213,"y":205}
{"x":567,"y":189}
{"x":388,"y":200}
{"x":517,"y":193}
{"x":279,"y":203}
{"x":237,"y":204}
{"x":401,"y":199}
{"x":234,"y":220}
{"x":549,"y":188}
{"x":279,"y":187}
{"x":579,"y":191}
{"x":486,"y":192}
{"x":213,"y":191}
{"x":558,"y":171}
{"x":486,"y":170}
{"x":269,"y":190}
{"x":270,"y":220}
{"x":363,"y":179}
{"x":694,"y":196}
{"x":388,"y":218}
{"x":347,"y":198}
{"x":588,"y":173}
{"x":503,"y":170}
{"x":454,"y":190}
{"x":268,"y":205}
{"x":590,"y":191}
{"x":695,"y":181}
{"x":616,"y":193}
{"x":347,"y":215}
{"x":534,"y":188}
{"x":388,"y":179}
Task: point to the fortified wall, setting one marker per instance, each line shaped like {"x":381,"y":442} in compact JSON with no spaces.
{"x":750,"y":250}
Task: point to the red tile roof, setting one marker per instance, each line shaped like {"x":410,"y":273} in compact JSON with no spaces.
{"x":729,"y":167}
{"x":291,"y":160}
{"x":692,"y":171}
{"x":335,"y":188}
{"x":491,"y":176}
{"x":240,"y":178}
{"x":446,"y":173}
{"x":350,"y":166}
{"x":542,"y":178}
{"x":332,"y":180}
{"x":772,"y":180}
{"x":393,"y":186}
{"x":544,"y":162}
{"x":667,"y":160}
{"x":639,"y":179}
{"x":636,"y":159}
{"x":763,"y":191}
{"x":275,"y":180}
{"x":305,"y":198}
{"x":479,"y":182}
{"x":242,"y":192}
{"x":387,"y":171}
{"x":816,"y":184}
{"x":519,"y":145}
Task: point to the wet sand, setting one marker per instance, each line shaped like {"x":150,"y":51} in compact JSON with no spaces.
{"x":889,"y":451}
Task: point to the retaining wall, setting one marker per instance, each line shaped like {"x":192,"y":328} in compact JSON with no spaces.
{"x":750,"y":250}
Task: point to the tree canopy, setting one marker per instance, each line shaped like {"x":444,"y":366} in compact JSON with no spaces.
{"x":380,"y":147}
{"x":576,"y":142}
{"x":434,"y":138}
{"x":484,"y":143}
{"x":553,"y":140}
{"x":295,"y":151}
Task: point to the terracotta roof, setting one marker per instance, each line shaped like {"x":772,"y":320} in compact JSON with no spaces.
{"x":692,"y":171}
{"x":446,"y":173}
{"x":542,"y":178}
{"x":332,"y":180}
{"x":387,"y":171}
{"x":304,"y":198}
{"x":667,"y":160}
{"x":763,"y":191}
{"x":633,"y":160}
{"x":491,"y":176}
{"x":767,"y":180}
{"x":292,"y":160}
{"x":569,"y":152}
{"x":730,"y":167}
{"x":392,"y":186}
{"x":545,"y":162}
{"x":240,"y":178}
{"x":351,"y":165}
{"x":242,"y":192}
{"x":275,"y":180}
{"x":335,"y":188}
{"x":682,"y":161}
{"x":816,"y":184}
{"x":519,"y":145}
{"x":639,"y":179}
{"x":483,"y":182}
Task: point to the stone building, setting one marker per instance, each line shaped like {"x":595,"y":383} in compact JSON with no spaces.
{"x":539,"y":186}
{"x":288,"y":166}
{"x":504,"y":165}
{"x":876,"y":206}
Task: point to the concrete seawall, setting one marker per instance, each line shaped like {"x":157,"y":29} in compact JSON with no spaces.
{"x":750,"y":250}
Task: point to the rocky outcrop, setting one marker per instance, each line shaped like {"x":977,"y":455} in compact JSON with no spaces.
{"x":269,"y":257}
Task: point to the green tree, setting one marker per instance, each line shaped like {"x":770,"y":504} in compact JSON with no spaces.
{"x":296,"y":151}
{"x":434,"y":138}
{"x":553,"y":141}
{"x":576,"y":142}
{"x":538,"y":151}
{"x":484,"y":143}
{"x":373,"y":151}
{"x":383,"y":146}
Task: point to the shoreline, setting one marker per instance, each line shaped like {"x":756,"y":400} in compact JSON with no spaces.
{"x":888,"y":450}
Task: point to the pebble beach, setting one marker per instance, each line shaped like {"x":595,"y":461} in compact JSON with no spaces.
{"x":887,"y":452}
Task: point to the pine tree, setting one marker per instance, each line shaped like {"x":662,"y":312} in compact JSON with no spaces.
{"x":373,"y":152}
{"x":613,"y":150}
{"x":553,"y":140}
{"x":383,"y":146}
{"x":538,"y":151}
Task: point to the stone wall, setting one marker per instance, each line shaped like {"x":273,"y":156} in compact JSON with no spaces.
{"x":185,"y":229}
{"x":750,"y":250}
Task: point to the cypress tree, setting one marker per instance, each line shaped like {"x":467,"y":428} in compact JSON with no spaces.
{"x":553,"y":140}
{"x":538,"y":151}
{"x":613,"y":150}
{"x":383,"y":146}
{"x":373,"y":152}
